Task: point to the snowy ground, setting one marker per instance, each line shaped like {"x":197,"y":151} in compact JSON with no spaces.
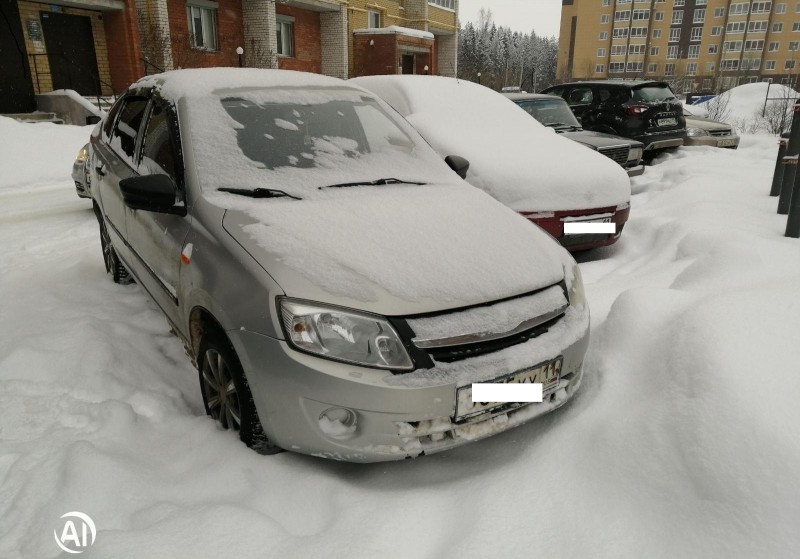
{"x":684,"y":441}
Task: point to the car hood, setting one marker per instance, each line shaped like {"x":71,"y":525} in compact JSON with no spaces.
{"x":395,"y":250}
{"x":599,"y":139}
{"x":513,"y":157}
{"x":705,"y":124}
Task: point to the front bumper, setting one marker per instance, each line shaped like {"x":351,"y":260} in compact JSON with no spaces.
{"x":79,"y":176}
{"x":730,"y":142}
{"x":635,"y":171}
{"x":553,"y":223}
{"x":397,"y":416}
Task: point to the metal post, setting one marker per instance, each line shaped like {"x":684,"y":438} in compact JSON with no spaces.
{"x":764,"y":111}
{"x":777,"y":176}
{"x":790,"y":163}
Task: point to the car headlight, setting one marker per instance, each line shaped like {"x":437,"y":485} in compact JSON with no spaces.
{"x":343,"y":335}
{"x":83,"y":155}
{"x":693,"y":132}
{"x":574,"y":281}
{"x":635,"y":154}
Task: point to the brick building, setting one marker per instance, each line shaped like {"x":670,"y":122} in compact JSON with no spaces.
{"x":698,"y":45}
{"x":98,"y":47}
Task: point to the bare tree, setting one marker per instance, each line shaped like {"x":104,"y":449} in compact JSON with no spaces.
{"x":719,"y":107}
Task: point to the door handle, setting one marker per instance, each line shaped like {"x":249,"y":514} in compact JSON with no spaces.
{"x":101,"y":169}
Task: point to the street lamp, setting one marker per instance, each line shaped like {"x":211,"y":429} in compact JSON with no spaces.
{"x":479,"y":78}
{"x":240,"y":52}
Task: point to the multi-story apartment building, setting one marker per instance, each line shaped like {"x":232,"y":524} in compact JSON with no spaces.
{"x":100,"y":46}
{"x":697,"y":45}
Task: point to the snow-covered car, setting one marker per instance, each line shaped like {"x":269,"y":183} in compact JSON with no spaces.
{"x":79,"y":173}
{"x":530,"y":168}
{"x":339,"y":288}
{"x":702,"y":131}
{"x":553,"y":111}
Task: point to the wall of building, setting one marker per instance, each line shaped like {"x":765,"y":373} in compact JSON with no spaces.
{"x":124,"y":60}
{"x":307,"y":50}
{"x":37,"y":50}
{"x":230,"y":35}
{"x":333,"y":34}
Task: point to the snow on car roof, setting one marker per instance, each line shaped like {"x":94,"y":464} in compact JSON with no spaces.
{"x":520,"y":162}
{"x":202,"y":82}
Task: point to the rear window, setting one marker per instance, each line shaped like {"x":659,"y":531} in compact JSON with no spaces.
{"x":652,"y":93}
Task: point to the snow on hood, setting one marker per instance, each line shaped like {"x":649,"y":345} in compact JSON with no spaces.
{"x":395,"y":249}
{"x":513,"y":157}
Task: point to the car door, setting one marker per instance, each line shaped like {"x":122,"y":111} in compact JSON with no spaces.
{"x":157,"y":238}
{"x":113,"y":160}
{"x":579,"y":99}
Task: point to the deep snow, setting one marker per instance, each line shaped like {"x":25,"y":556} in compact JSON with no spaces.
{"x":683,"y":442}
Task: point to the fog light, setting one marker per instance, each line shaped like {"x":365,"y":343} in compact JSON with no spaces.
{"x":338,"y":423}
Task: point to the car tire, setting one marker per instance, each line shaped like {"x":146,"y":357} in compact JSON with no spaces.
{"x":232,"y":408}
{"x":114,"y":265}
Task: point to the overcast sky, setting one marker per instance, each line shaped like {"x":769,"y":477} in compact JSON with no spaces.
{"x":543,"y":16}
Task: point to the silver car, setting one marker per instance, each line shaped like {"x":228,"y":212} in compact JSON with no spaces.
{"x":80,"y":175}
{"x":702,"y":131}
{"x":337,"y":285}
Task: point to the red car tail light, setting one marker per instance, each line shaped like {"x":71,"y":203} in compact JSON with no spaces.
{"x":635,"y":110}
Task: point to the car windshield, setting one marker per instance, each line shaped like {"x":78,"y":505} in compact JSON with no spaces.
{"x":303,"y":139}
{"x":653,"y":93}
{"x":550,"y":112}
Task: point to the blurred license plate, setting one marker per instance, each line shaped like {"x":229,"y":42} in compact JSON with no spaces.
{"x":726,"y":143}
{"x":547,"y":374}
{"x":667,"y":121}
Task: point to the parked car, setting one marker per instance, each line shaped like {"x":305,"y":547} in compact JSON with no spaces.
{"x":702,"y":131}
{"x":79,"y":173}
{"x":338,"y":287}
{"x":554,"y":112}
{"x":544,"y":176}
{"x":645,"y":111}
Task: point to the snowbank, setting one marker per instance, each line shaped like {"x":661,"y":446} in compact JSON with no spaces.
{"x":744,"y":107}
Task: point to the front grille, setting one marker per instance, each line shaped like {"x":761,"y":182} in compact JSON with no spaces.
{"x":456,"y":353}
{"x":618,"y":154}
{"x":720,"y":132}
{"x":583,"y":239}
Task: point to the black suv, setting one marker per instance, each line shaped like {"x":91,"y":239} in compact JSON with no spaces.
{"x":641,"y":110}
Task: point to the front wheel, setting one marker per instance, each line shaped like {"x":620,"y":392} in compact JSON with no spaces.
{"x":226,"y":393}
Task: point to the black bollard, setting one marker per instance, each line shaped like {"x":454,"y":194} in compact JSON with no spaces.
{"x":777,"y":176}
{"x":790,"y":163}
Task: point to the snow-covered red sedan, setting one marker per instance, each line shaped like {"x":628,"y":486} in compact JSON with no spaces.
{"x":549,"y":179}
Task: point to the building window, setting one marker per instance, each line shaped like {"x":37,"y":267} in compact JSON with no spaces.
{"x":639,"y":32}
{"x":794,"y":46}
{"x":669,"y":69}
{"x":694,"y":51}
{"x":603,"y":35}
{"x":677,"y":17}
{"x":789,"y":65}
{"x":713,"y":49}
{"x":735,"y":27}
{"x":634,"y":67}
{"x":732,"y":46}
{"x":691,"y":69}
{"x":641,"y":15}
{"x":202,"y":26}
{"x":777,"y":27}
{"x":599,"y":68}
{"x":616,"y":67}
{"x":604,"y":18}
{"x":606,"y":3}
{"x":672,"y":52}
{"x":699,"y":16}
{"x":716,"y":30}
{"x":654,"y":51}
{"x":739,"y":9}
{"x":751,"y":64}
{"x":652,"y":68}
{"x":622,"y":16}
{"x":774,"y":46}
{"x":620,"y":32}
{"x":284,"y":28}
{"x":373,"y":19}
{"x":756,"y":45}
{"x":675,"y":35}
{"x":797,"y":8}
{"x":770,"y":65}
{"x":449,"y":4}
{"x":780,"y":8}
{"x":679,"y":2}
{"x":719,"y":12}
{"x":618,"y":50}
{"x":796,"y":26}
{"x":729,"y":65}
{"x":709,"y":67}
{"x":659,"y":16}
{"x":601,"y":53}
{"x":697,"y":33}
{"x":706,"y":83}
{"x":636,"y":49}
{"x":757,"y":26}
{"x":761,"y":8}
{"x":656,"y":33}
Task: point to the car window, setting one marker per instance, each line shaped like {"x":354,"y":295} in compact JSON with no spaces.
{"x":158,"y":153}
{"x":580,"y":96}
{"x":111,"y":117}
{"x":123,"y":137}
{"x":653,"y":93}
{"x":556,"y":91}
{"x":604,"y":94}
{"x":550,"y":112}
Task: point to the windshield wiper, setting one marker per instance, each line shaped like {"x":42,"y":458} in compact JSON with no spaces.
{"x":378,"y":182}
{"x":260,"y":193}
{"x":562,"y":125}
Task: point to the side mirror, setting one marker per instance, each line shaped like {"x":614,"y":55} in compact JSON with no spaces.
{"x":92,"y":119}
{"x":458,"y":164}
{"x":152,"y":193}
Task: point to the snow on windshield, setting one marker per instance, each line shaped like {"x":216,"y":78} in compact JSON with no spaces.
{"x":512,"y":157}
{"x":550,"y":112}
{"x":299,"y":139}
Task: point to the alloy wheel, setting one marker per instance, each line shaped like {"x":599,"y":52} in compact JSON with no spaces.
{"x":220,"y":391}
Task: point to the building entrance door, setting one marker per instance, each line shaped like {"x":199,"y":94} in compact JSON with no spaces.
{"x":407,"y":63}
{"x":70,"y":52}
